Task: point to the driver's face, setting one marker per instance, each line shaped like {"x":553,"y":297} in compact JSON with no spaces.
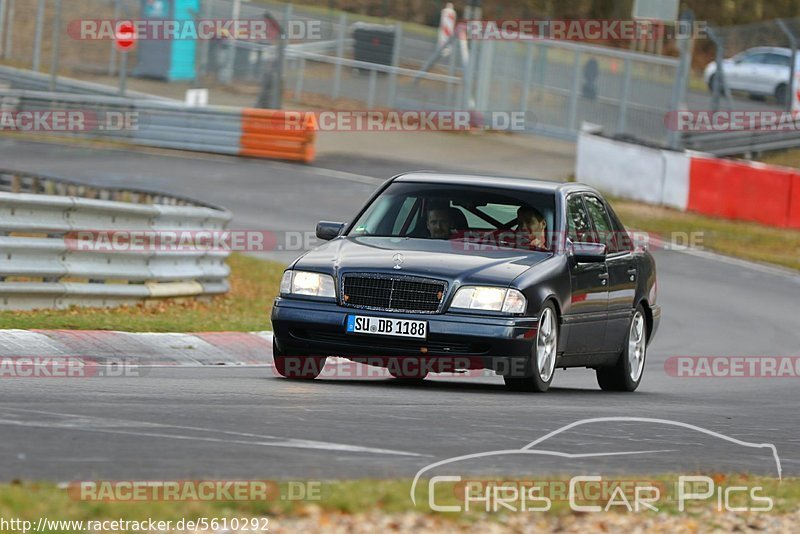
{"x":438,"y":224}
{"x":533,"y":226}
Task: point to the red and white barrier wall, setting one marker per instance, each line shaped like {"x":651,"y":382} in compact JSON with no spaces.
{"x":691,"y":181}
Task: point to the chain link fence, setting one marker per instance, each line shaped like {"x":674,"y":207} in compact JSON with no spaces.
{"x":558,"y":84}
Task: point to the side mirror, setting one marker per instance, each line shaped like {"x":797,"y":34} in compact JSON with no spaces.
{"x":327,"y":230}
{"x":589,"y":252}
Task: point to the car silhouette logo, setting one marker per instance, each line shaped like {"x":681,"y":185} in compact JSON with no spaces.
{"x":398,"y":260}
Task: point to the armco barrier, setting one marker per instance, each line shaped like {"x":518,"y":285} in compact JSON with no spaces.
{"x":266,"y":133}
{"x":220,"y":130}
{"x":731,"y":189}
{"x":740,"y":190}
{"x":633,"y":171}
{"x":42,"y":268}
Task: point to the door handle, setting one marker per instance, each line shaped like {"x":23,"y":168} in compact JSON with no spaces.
{"x":603,"y":278}
{"x":633,"y":271}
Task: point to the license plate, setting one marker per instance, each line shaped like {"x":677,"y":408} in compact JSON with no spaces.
{"x":379,"y":326}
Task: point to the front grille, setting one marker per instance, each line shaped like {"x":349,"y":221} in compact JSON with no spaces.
{"x":393,"y":293}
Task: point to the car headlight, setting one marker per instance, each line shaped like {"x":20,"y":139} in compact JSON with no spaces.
{"x":306,"y":283}
{"x":497,"y":299}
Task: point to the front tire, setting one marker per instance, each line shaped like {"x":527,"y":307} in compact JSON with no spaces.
{"x":782,"y":94}
{"x":541,"y":366}
{"x":297,"y":367}
{"x":627,"y":374}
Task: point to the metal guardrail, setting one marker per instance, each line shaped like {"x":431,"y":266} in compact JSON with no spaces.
{"x":28,"y":80}
{"x":42,"y":267}
{"x":165,"y":124}
{"x":744,"y":142}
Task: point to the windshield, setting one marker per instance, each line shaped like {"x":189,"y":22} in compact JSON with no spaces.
{"x":509,"y":218}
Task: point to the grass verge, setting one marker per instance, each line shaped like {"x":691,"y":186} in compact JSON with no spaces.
{"x":245,"y":308}
{"x":749,"y":241}
{"x":31,"y":501}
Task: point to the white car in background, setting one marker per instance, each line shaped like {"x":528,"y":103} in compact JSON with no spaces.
{"x":761,"y":71}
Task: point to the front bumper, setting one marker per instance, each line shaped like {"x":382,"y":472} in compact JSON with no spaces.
{"x":317,"y":328}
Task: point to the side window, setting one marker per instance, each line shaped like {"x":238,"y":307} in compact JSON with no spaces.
{"x":624,"y":242}
{"x":602,"y":224}
{"x":754,"y":58}
{"x":579,"y":228}
{"x":778,"y":59}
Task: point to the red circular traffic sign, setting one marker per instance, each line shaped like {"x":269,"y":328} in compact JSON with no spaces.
{"x":125,"y":36}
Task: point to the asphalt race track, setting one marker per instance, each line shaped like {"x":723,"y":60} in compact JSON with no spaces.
{"x":244,"y":422}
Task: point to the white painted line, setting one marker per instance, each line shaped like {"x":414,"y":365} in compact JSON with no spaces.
{"x":105,"y":425}
{"x":714,"y":256}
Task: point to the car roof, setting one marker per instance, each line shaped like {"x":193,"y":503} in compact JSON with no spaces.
{"x":524,"y":184}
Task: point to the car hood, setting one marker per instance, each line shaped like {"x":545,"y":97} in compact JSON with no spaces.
{"x":453,"y":261}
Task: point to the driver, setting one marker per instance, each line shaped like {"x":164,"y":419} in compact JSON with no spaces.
{"x":533,"y":225}
{"x":439,"y":222}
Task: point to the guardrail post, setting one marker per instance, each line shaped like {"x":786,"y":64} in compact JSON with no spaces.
{"x":280,"y":67}
{"x":56,"y":46}
{"x":337,"y":69}
{"x":451,"y":71}
{"x":526,"y":84}
{"x":793,"y":43}
{"x":398,"y":38}
{"x":3,"y":4}
{"x":301,"y":74}
{"x":10,"y":29}
{"x":208,"y":12}
{"x":623,"y":99}
{"x":573,"y":97}
{"x":681,"y":80}
{"x":37,"y":39}
{"x":123,"y":73}
{"x":373,"y":74}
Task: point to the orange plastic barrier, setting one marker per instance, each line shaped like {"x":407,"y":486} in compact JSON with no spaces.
{"x":794,"y":203}
{"x":741,"y":191}
{"x":276,"y":134}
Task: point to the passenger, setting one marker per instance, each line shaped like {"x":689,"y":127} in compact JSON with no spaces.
{"x":532,"y":228}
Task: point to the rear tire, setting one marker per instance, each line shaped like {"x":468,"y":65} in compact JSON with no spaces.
{"x":782,"y":94}
{"x":541,"y":366}
{"x":627,"y":374}
{"x":711,"y":81}
{"x":297,"y":367}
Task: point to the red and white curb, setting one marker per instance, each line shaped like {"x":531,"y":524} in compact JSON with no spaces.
{"x":191,"y":349}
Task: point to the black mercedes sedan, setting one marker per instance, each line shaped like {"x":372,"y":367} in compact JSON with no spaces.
{"x":445,"y":273}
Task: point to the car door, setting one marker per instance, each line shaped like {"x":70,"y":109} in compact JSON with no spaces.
{"x":622,"y":271}
{"x":748,"y":74}
{"x":776,"y":71}
{"x":588,"y":307}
